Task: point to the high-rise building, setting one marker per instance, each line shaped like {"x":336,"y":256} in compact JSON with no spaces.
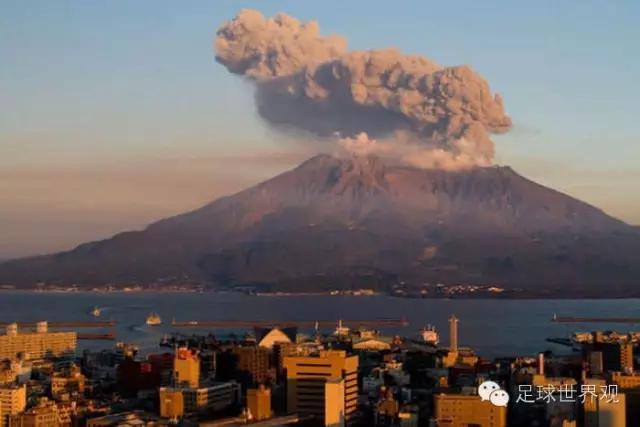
{"x":307,"y":387}
{"x":36,"y":345}
{"x":259,"y":403}
{"x":13,"y":400}
{"x":456,"y":410}
{"x":135,"y":375}
{"x":281,"y":350}
{"x":334,"y":402}
{"x":250,"y":365}
{"x":615,"y":356}
{"x":186,"y":368}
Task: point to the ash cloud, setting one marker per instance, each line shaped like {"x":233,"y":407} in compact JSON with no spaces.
{"x":432,"y":115}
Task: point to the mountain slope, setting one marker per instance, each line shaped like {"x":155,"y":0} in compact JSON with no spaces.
{"x":334,"y":220}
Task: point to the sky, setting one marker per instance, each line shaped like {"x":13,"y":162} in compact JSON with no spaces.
{"x":116,"y":114}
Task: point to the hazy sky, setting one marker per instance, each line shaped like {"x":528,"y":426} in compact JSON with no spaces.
{"x":114,"y":114}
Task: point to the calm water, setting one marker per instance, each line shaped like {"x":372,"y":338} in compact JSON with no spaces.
{"x":492,"y":327}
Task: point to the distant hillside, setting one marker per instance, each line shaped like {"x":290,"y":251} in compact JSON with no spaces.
{"x":339,"y":222}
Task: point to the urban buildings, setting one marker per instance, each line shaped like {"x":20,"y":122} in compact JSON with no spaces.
{"x":135,"y":375}
{"x":44,"y":414}
{"x":614,"y":355}
{"x":67,"y":383}
{"x":259,"y":403}
{"x":457,"y":410}
{"x":188,"y":395}
{"x":248,"y":364}
{"x":602,"y":411}
{"x":126,"y":419}
{"x":13,"y":400}
{"x":186,"y":368}
{"x":193,"y":400}
{"x":171,"y":403}
{"x":36,"y":345}
{"x":311,"y":379}
{"x":626,"y":380}
{"x":405,"y":383}
{"x":334,"y":402}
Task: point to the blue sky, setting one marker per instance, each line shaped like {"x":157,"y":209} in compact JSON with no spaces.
{"x":115,"y":113}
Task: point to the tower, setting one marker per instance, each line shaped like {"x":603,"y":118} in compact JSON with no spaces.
{"x":541,"y":364}
{"x":453,"y":333}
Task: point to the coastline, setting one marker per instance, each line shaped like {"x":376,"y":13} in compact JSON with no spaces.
{"x":511,"y":297}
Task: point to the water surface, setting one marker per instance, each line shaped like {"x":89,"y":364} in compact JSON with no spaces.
{"x":493,"y":327}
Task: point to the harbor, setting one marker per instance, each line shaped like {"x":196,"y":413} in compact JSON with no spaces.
{"x":232,"y":324}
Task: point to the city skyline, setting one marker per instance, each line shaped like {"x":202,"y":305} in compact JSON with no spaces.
{"x":118,"y":115}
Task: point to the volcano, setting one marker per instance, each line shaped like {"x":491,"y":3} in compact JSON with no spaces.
{"x":332,"y":222}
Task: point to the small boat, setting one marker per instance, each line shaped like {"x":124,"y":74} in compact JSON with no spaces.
{"x":165,"y":341}
{"x":153,"y":319}
{"x":95,"y":312}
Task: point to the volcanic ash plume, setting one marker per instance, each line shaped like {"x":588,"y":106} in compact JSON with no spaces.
{"x":310,"y":82}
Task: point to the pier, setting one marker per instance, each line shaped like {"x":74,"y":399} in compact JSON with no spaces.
{"x":571,"y":319}
{"x":561,"y":341}
{"x":241,"y":324}
{"x":65,"y":324}
{"x":109,"y":336}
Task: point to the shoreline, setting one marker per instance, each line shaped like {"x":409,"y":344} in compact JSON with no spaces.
{"x":316,"y":294}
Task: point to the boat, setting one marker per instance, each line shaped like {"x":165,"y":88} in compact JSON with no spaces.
{"x":429,"y":335}
{"x":153,"y":319}
{"x":341,"y":330}
{"x":95,"y":312}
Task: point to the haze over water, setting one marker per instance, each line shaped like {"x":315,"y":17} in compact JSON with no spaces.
{"x":490,"y":326}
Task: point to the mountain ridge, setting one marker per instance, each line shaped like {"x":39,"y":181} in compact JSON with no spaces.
{"x":360,"y":216}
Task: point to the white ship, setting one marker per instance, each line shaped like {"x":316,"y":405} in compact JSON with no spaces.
{"x":153,"y":319}
{"x":429,"y":335}
{"x":341,"y":330}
